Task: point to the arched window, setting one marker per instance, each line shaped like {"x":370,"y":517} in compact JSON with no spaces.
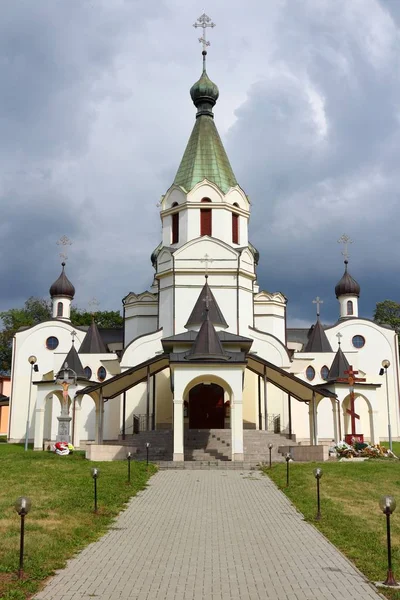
{"x":310,"y":373}
{"x":235,"y":226}
{"x":175,"y":225}
{"x":60,"y":309}
{"x":88,"y":372}
{"x":350,"y":307}
{"x":101,"y":373}
{"x":206,"y":219}
{"x":325,"y":373}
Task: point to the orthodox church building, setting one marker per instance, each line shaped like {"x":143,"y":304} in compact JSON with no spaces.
{"x":204,"y":349}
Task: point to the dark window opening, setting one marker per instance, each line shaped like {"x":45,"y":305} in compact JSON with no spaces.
{"x":235,"y":228}
{"x":60,"y":309}
{"x":349,"y":307}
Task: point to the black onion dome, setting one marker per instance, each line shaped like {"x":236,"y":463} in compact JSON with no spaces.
{"x":62,"y":286}
{"x":347,"y":285}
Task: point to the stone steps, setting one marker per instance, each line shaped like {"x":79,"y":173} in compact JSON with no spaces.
{"x":206,"y":446}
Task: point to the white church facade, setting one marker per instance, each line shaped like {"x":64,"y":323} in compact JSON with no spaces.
{"x":204,"y":348}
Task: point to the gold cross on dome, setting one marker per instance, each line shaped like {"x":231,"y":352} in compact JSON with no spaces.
{"x":204,"y":21}
{"x":345,"y":240}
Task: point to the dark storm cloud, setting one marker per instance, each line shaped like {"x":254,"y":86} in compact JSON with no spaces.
{"x":95,"y":116}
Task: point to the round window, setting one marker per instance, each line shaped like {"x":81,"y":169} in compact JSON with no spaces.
{"x":325,"y":373}
{"x":358,"y":341}
{"x":88,"y":372}
{"x":101,"y":374}
{"x":51,"y":343}
{"x":310,"y":373}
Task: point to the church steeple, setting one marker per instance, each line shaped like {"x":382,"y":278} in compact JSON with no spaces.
{"x":205,"y":156}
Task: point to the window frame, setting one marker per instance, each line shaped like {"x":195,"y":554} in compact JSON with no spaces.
{"x":349,"y":305}
{"x":361,"y":338}
{"x":47,"y":343}
{"x":90,"y":370}
{"x":60,"y":309}
{"x":206,"y":219}
{"x":98,"y":373}
{"x":327,"y":373}
{"x":310,"y":367}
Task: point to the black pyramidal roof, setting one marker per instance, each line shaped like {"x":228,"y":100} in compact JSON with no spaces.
{"x":199,"y":311}
{"x":74,"y":362}
{"x":92,"y":342}
{"x":347,"y":285}
{"x":62,"y":286}
{"x":318,"y":342}
{"x":339,"y":366}
{"x":207,"y":344}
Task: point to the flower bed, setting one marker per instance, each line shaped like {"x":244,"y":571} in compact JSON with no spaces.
{"x":357,"y":449}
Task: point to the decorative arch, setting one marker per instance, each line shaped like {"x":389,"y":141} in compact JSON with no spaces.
{"x":208,"y":379}
{"x":367,"y":417}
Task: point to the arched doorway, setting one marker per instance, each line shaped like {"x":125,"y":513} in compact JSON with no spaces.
{"x":206,"y":407}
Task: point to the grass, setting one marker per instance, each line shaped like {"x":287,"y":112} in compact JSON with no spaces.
{"x":61,"y":521}
{"x":351,"y":517}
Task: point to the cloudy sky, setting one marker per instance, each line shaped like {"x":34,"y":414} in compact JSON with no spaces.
{"x":95,"y":114}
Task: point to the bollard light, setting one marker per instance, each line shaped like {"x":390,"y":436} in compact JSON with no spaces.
{"x":22,"y":505}
{"x":388,"y":505}
{"x":318,"y":475}
{"x":95,"y":475}
{"x":270,"y":446}
{"x":147,"y":452}
{"x":129,"y":458}
{"x":287,"y":458}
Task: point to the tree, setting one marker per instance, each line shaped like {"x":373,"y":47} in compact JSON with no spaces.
{"x":388,"y":313}
{"x":37,"y":310}
{"x":106,"y":319}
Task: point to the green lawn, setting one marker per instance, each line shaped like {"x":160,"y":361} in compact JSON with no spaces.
{"x":351,"y":517}
{"x":61,"y":520}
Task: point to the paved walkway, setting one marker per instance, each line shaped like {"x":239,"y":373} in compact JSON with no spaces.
{"x":219,"y":535}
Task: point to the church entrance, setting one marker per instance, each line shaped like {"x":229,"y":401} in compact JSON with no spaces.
{"x":206,"y":407}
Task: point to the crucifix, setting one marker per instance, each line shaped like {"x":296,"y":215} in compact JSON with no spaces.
{"x":64,"y":241}
{"x":93,"y":307}
{"x":204,"y":21}
{"x":345,"y":240}
{"x":206,"y":259}
{"x":339,"y":337}
{"x":351,"y":379}
{"x":318,"y":301}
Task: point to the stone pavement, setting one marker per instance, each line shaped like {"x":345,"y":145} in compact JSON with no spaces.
{"x":219,"y":535}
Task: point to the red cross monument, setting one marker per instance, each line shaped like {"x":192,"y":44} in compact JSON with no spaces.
{"x":351,"y":379}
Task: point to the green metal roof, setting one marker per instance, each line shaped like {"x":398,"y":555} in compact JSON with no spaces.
{"x":205,"y":158}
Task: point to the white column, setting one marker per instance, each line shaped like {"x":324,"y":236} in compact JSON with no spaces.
{"x":39,"y":426}
{"x":101,"y":416}
{"x":315,"y":420}
{"x":76,"y":441}
{"x":335,"y":421}
{"x":178,"y":454}
{"x":237,"y":429}
{"x":97,"y":422}
{"x":311,"y":422}
{"x":373,"y":418}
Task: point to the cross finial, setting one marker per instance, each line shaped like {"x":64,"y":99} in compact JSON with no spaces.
{"x":207,"y":301}
{"x":339,"y":337}
{"x":204,"y":21}
{"x":318,"y":301}
{"x":73,"y":334}
{"x":206,"y":259}
{"x":64,"y":241}
{"x":345,"y":240}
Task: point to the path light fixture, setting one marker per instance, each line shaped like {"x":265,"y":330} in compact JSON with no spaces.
{"x":388,"y":505}
{"x":22,"y":506}
{"x":270,"y":446}
{"x":287,"y":458}
{"x":147,"y":452}
{"x":385,"y":365}
{"x":95,"y":475}
{"x":32,"y":360}
{"x":318,"y":475}
{"x":129,"y":458}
